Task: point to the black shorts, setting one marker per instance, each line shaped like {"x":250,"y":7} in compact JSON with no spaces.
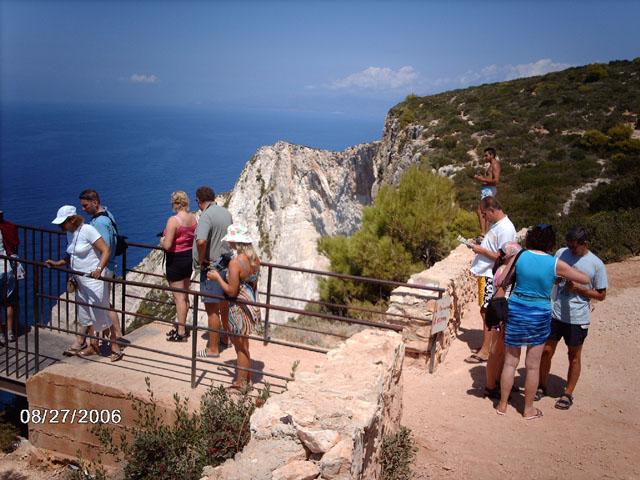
{"x":574,"y":335}
{"x":178,"y":266}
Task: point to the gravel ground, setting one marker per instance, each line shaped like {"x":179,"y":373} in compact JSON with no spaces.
{"x":460,"y":436}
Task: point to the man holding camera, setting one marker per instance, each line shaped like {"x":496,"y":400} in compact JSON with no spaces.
{"x":570,"y":314}
{"x":208,"y":248}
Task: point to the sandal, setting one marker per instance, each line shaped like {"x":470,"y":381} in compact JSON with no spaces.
{"x":174,"y":331}
{"x":73,"y":351}
{"x":475,"y":359}
{"x":204,"y":354}
{"x":564,"y":402}
{"x":176,"y":337}
{"x":115,"y":356}
{"x":541,"y":392}
{"x":538,"y":414}
{"x":89,"y":351}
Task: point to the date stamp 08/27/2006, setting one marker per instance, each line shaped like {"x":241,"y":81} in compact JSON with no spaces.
{"x":63,"y":415}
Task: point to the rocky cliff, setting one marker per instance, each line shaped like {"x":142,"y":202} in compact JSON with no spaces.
{"x":289,"y":196}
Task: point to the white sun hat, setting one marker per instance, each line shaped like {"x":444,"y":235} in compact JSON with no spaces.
{"x":237,"y":233}
{"x":64,"y":212}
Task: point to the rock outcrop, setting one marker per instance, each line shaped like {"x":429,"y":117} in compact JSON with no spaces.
{"x":330,"y":422}
{"x":289,"y":196}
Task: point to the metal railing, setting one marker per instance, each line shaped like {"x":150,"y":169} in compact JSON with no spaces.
{"x":44,"y":293}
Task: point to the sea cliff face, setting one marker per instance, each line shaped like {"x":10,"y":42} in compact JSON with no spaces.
{"x":289,"y":196}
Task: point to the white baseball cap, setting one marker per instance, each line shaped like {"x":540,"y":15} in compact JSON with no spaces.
{"x":64,"y":212}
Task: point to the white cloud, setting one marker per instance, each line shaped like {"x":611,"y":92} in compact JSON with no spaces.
{"x":377,"y":78}
{"x":540,"y":67}
{"x":497,"y":73}
{"x":140,"y":78}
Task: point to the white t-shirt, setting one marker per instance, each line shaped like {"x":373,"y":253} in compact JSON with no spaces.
{"x":2,"y":260}
{"x":499,"y":234}
{"x":80,"y":248}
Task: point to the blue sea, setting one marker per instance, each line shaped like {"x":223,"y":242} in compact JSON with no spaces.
{"x":136,"y":156}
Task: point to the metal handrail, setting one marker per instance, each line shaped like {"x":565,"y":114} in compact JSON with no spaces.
{"x":31,"y":245}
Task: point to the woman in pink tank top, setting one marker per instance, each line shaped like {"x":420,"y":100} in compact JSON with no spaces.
{"x":177,"y":242}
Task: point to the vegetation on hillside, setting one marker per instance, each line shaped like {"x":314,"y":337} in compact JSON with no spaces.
{"x":408,"y":227}
{"x":552,"y":133}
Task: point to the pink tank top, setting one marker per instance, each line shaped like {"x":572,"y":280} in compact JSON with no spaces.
{"x":183,"y":240}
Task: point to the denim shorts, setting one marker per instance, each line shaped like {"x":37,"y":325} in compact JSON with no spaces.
{"x":210,"y":287}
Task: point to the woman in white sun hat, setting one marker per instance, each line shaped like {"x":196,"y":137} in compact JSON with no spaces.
{"x":87,"y":252}
{"x":240,"y":283}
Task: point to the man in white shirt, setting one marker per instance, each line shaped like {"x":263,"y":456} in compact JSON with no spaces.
{"x":501,"y":232}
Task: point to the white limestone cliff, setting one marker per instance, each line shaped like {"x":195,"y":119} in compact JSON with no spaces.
{"x":289,"y":196}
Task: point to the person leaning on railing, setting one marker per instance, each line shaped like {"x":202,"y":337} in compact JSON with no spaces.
{"x":86,"y":252}
{"x":240,"y":282}
{"x":177,"y":241}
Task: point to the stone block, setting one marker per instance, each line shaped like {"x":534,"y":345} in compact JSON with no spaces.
{"x":318,"y":441}
{"x":297,"y":470}
{"x":336,"y":463}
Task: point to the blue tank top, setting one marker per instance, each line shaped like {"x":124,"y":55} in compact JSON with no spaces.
{"x":535,"y":275}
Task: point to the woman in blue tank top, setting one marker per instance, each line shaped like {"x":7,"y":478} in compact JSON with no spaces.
{"x":529,"y":321}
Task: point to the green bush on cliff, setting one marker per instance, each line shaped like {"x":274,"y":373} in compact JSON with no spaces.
{"x":398,"y":454}
{"x":153,"y":448}
{"x":408,"y":227}
{"x":8,"y":435}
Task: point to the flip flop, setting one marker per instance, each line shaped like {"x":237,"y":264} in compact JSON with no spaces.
{"x":73,"y":351}
{"x":564,"y":402}
{"x":538,"y":414}
{"x":475,"y":359}
{"x":87,"y":352}
{"x":204,"y":354}
{"x":500,"y":413}
{"x":115,"y":356}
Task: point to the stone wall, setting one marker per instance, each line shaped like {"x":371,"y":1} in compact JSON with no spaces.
{"x":328,"y":424}
{"x":453,"y":274}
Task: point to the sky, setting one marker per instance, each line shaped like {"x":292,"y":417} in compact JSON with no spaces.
{"x":345,"y":57}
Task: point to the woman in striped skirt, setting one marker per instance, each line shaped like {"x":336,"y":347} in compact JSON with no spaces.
{"x":240,"y":284}
{"x":529,"y":320}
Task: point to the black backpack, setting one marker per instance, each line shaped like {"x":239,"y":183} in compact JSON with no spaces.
{"x":121,"y":241}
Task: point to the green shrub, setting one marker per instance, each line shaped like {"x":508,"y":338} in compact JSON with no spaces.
{"x":398,"y":455}
{"x":620,"y":132}
{"x":614,"y":235}
{"x":595,"y":72}
{"x":594,"y":139}
{"x":408,"y":228}
{"x":8,"y":435}
{"x":153,"y":448}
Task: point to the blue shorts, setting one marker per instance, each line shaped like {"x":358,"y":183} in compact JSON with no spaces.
{"x":210,"y":287}
{"x":8,"y":288}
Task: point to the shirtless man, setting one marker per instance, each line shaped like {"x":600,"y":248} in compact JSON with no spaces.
{"x":489,"y":183}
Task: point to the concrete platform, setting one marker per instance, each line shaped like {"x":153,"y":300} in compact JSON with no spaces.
{"x":74,"y":383}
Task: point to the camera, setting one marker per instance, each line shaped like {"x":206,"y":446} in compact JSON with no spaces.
{"x":222,"y":263}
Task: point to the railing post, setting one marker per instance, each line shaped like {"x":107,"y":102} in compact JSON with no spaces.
{"x":36,"y":316}
{"x":268,"y":309}
{"x":194,"y":340}
{"x":123,"y":291}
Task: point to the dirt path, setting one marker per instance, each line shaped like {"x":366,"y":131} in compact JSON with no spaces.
{"x":460,"y":436}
